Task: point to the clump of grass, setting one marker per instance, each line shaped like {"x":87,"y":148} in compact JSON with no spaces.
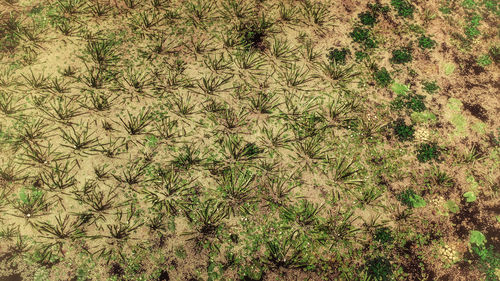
{"x":425,"y":42}
{"x":401,"y":56}
{"x":402,"y":131}
{"x":382,"y":77}
{"x":253,"y":32}
{"x":427,"y":152}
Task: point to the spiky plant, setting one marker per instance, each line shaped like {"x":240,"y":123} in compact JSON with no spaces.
{"x":277,"y":189}
{"x":59,"y":177}
{"x":31,"y":203}
{"x":132,"y":173}
{"x":342,"y":170}
{"x":125,"y":225}
{"x":304,"y":214}
{"x":80,"y":140}
{"x":236,"y":186}
{"x":208,"y":216}
{"x":63,"y":228}
{"x":136,"y":124}
{"x":168,"y":191}
{"x":285,"y":252}
{"x":97,"y":199}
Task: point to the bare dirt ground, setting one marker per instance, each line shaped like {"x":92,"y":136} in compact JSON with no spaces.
{"x":249,"y":140}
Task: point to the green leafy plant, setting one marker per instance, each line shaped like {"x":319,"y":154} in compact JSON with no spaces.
{"x":383,"y":235}
{"x":360,"y":56}
{"x":425,"y":42}
{"x":470,"y":196}
{"x":489,"y":260}
{"x":338,"y":55}
{"x":379,"y":268}
{"x":484,"y":60}
{"x":401,"y":56}
{"x":363,"y":36}
{"x":367,"y":18}
{"x":430,"y":87}
{"x":411,"y":199}
{"x":471,"y":29}
{"x":403,"y":7}
{"x":402,"y":131}
{"x":427,"y":152}
{"x":452,"y":206}
{"x":382,"y":77}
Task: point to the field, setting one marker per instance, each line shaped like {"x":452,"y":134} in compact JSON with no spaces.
{"x":249,"y":140}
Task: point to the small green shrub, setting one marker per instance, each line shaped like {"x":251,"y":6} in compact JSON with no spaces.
{"x":425,"y":42}
{"x":404,"y":8}
{"x":484,"y":60}
{"x":494,"y":53}
{"x":338,"y":55}
{"x":360,"y":55}
{"x":416,"y":103}
{"x":411,"y":199}
{"x":378,"y":8}
{"x":379,"y":268}
{"x":362,"y":35}
{"x":402,"y":131}
{"x":359,"y":34}
{"x":430,"y":86}
{"x":427,"y":152}
{"x":401,"y":56}
{"x":471,"y":29}
{"x":367,"y":18}
{"x":382,"y":77}
{"x":383,"y":235}
{"x":469,"y":4}
{"x":413,"y":102}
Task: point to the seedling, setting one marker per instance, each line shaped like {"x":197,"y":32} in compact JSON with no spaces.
{"x":470,"y":196}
